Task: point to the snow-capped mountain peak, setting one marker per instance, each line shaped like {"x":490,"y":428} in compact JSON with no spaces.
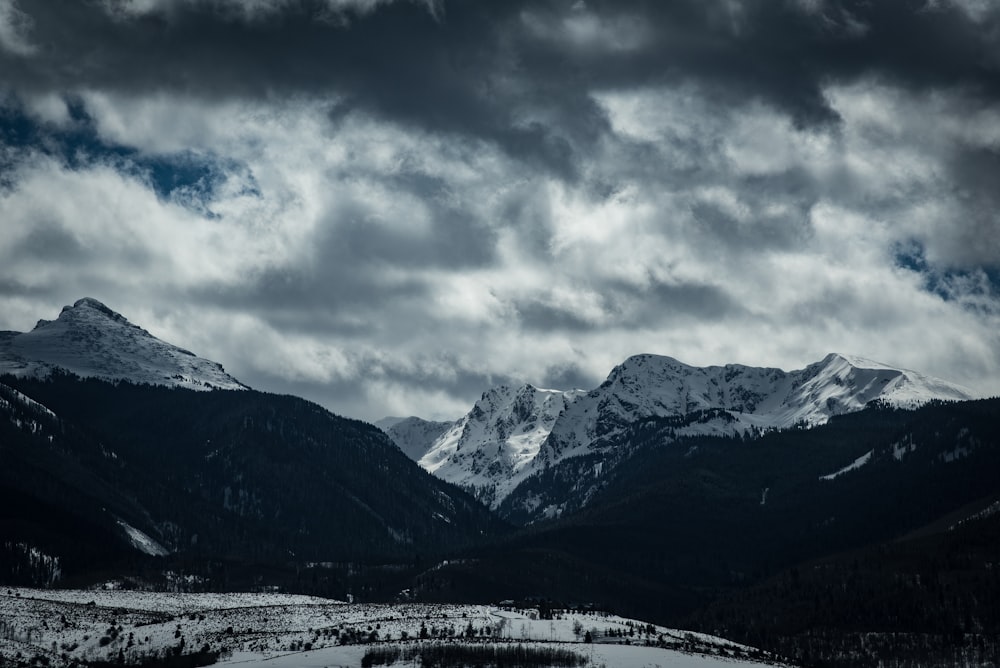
{"x":91,"y":340}
{"x":490,"y":450}
{"x":842,"y":383}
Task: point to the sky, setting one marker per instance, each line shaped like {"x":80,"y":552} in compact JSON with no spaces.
{"x":389,"y":206}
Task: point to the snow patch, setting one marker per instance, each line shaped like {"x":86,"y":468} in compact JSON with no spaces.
{"x":901,"y":448}
{"x":853,"y":466}
{"x":25,"y":400}
{"x":142,"y":541}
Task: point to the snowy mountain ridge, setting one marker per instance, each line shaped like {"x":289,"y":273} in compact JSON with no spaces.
{"x":512,"y":433}
{"x":90,"y":340}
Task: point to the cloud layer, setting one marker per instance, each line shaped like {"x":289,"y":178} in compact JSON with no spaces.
{"x":389,"y":206}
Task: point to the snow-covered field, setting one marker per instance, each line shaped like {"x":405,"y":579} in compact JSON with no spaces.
{"x":285,"y":631}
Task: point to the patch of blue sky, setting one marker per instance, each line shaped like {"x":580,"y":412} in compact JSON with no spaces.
{"x":189,"y":178}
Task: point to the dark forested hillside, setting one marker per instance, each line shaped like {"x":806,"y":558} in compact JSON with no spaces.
{"x":929,"y":600}
{"x":225,"y":474}
{"x":682,"y":522}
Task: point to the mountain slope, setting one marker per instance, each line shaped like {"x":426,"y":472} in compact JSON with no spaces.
{"x":413,"y":435}
{"x":240,"y":475}
{"x":492,"y":448}
{"x":90,"y":340}
{"x":937,"y":602}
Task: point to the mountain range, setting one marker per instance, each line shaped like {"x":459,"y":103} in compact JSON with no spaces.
{"x":512,"y":434}
{"x":730,"y":497}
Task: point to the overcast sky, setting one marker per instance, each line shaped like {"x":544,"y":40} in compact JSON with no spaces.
{"x":389,"y":206}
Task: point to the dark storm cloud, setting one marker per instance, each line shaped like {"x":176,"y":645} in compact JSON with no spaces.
{"x":399,"y":62}
{"x":668,"y":301}
{"x":10,"y":287}
{"x":350,"y":255}
{"x":538,"y":315}
{"x":475,"y":68}
{"x":51,"y":240}
{"x":345,"y":395}
{"x":759,"y":228}
{"x":453,"y":239}
{"x":570,"y":377}
{"x":339,"y":298}
{"x":625,"y":305}
{"x":976,"y":240}
{"x":401,"y":207}
{"x":508,"y":72}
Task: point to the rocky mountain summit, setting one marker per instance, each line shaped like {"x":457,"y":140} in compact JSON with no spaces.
{"x":90,"y":340}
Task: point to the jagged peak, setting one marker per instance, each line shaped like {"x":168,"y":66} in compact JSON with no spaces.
{"x":92,"y":303}
{"x":643,"y":358}
{"x":89,"y":304}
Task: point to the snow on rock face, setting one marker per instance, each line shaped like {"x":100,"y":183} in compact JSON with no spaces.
{"x":91,"y":340}
{"x":413,"y":435}
{"x":863,"y":380}
{"x":142,"y":541}
{"x":853,"y":466}
{"x":513,"y":433}
{"x":492,"y":448}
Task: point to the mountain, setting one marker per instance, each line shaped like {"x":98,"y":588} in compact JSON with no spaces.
{"x":97,"y":472}
{"x":136,"y":461}
{"x":493,"y":447}
{"x":90,"y":340}
{"x":413,"y":435}
{"x":512,"y":434}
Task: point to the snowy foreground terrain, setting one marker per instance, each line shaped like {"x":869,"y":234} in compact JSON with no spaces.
{"x":66,"y":627}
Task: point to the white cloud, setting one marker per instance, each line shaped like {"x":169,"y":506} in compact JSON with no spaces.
{"x":49,"y":108}
{"x":384,"y":270}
